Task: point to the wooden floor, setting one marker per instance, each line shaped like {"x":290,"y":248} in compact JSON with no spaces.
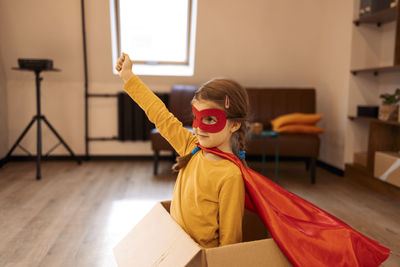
{"x":76,"y":214}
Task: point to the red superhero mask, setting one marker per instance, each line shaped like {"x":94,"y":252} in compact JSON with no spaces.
{"x":209,"y":120}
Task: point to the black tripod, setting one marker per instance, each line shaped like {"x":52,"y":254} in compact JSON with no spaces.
{"x":39,"y":117}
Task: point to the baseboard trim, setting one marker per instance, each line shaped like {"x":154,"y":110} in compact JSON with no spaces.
{"x":330,"y":168}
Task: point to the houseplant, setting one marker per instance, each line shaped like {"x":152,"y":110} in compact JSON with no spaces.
{"x":389,"y":110}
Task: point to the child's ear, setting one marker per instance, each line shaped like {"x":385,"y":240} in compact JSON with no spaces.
{"x":235,"y":126}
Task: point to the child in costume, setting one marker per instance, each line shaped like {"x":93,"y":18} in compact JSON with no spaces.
{"x":208,"y":198}
{"x":209,"y":195}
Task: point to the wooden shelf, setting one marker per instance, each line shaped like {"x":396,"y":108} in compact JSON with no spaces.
{"x":361,"y":118}
{"x":377,"y":70}
{"x":369,"y":119}
{"x":378,"y":18}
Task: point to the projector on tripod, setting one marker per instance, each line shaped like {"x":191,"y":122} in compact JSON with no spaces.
{"x":37,"y":66}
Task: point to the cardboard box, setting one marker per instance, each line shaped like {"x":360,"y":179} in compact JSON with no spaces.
{"x":360,"y":158}
{"x":387,"y":167}
{"x":157,"y":240}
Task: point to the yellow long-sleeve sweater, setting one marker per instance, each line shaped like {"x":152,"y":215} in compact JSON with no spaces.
{"x":208,"y":198}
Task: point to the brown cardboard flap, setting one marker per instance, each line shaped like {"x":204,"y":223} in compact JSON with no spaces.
{"x":256,"y":253}
{"x":157,"y":240}
{"x":166,"y":204}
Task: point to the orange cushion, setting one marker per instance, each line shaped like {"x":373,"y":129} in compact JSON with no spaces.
{"x":296,"y":118}
{"x":300,"y":128}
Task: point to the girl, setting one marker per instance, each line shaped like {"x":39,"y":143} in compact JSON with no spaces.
{"x":208,"y":198}
{"x":209,"y":194}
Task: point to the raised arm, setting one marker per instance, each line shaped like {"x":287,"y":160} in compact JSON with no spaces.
{"x":181,"y":139}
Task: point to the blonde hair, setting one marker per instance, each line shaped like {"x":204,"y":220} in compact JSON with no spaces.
{"x":216,"y":90}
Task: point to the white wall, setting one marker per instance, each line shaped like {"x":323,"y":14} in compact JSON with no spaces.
{"x":331,"y":78}
{"x":258,"y":43}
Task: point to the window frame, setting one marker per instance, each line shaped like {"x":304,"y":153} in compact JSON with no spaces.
{"x":116,"y":43}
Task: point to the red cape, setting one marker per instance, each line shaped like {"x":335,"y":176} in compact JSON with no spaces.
{"x":306,"y":234}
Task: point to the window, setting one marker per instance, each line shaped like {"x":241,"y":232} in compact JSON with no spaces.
{"x":159,"y":35}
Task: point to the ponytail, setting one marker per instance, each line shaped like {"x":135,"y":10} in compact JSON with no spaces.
{"x":241,"y":142}
{"x":181,"y":162}
{"x":184,"y":160}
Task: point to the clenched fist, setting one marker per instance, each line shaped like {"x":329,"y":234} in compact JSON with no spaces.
{"x":124,"y":67}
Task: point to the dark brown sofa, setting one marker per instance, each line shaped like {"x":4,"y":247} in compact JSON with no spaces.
{"x":265,"y":105}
